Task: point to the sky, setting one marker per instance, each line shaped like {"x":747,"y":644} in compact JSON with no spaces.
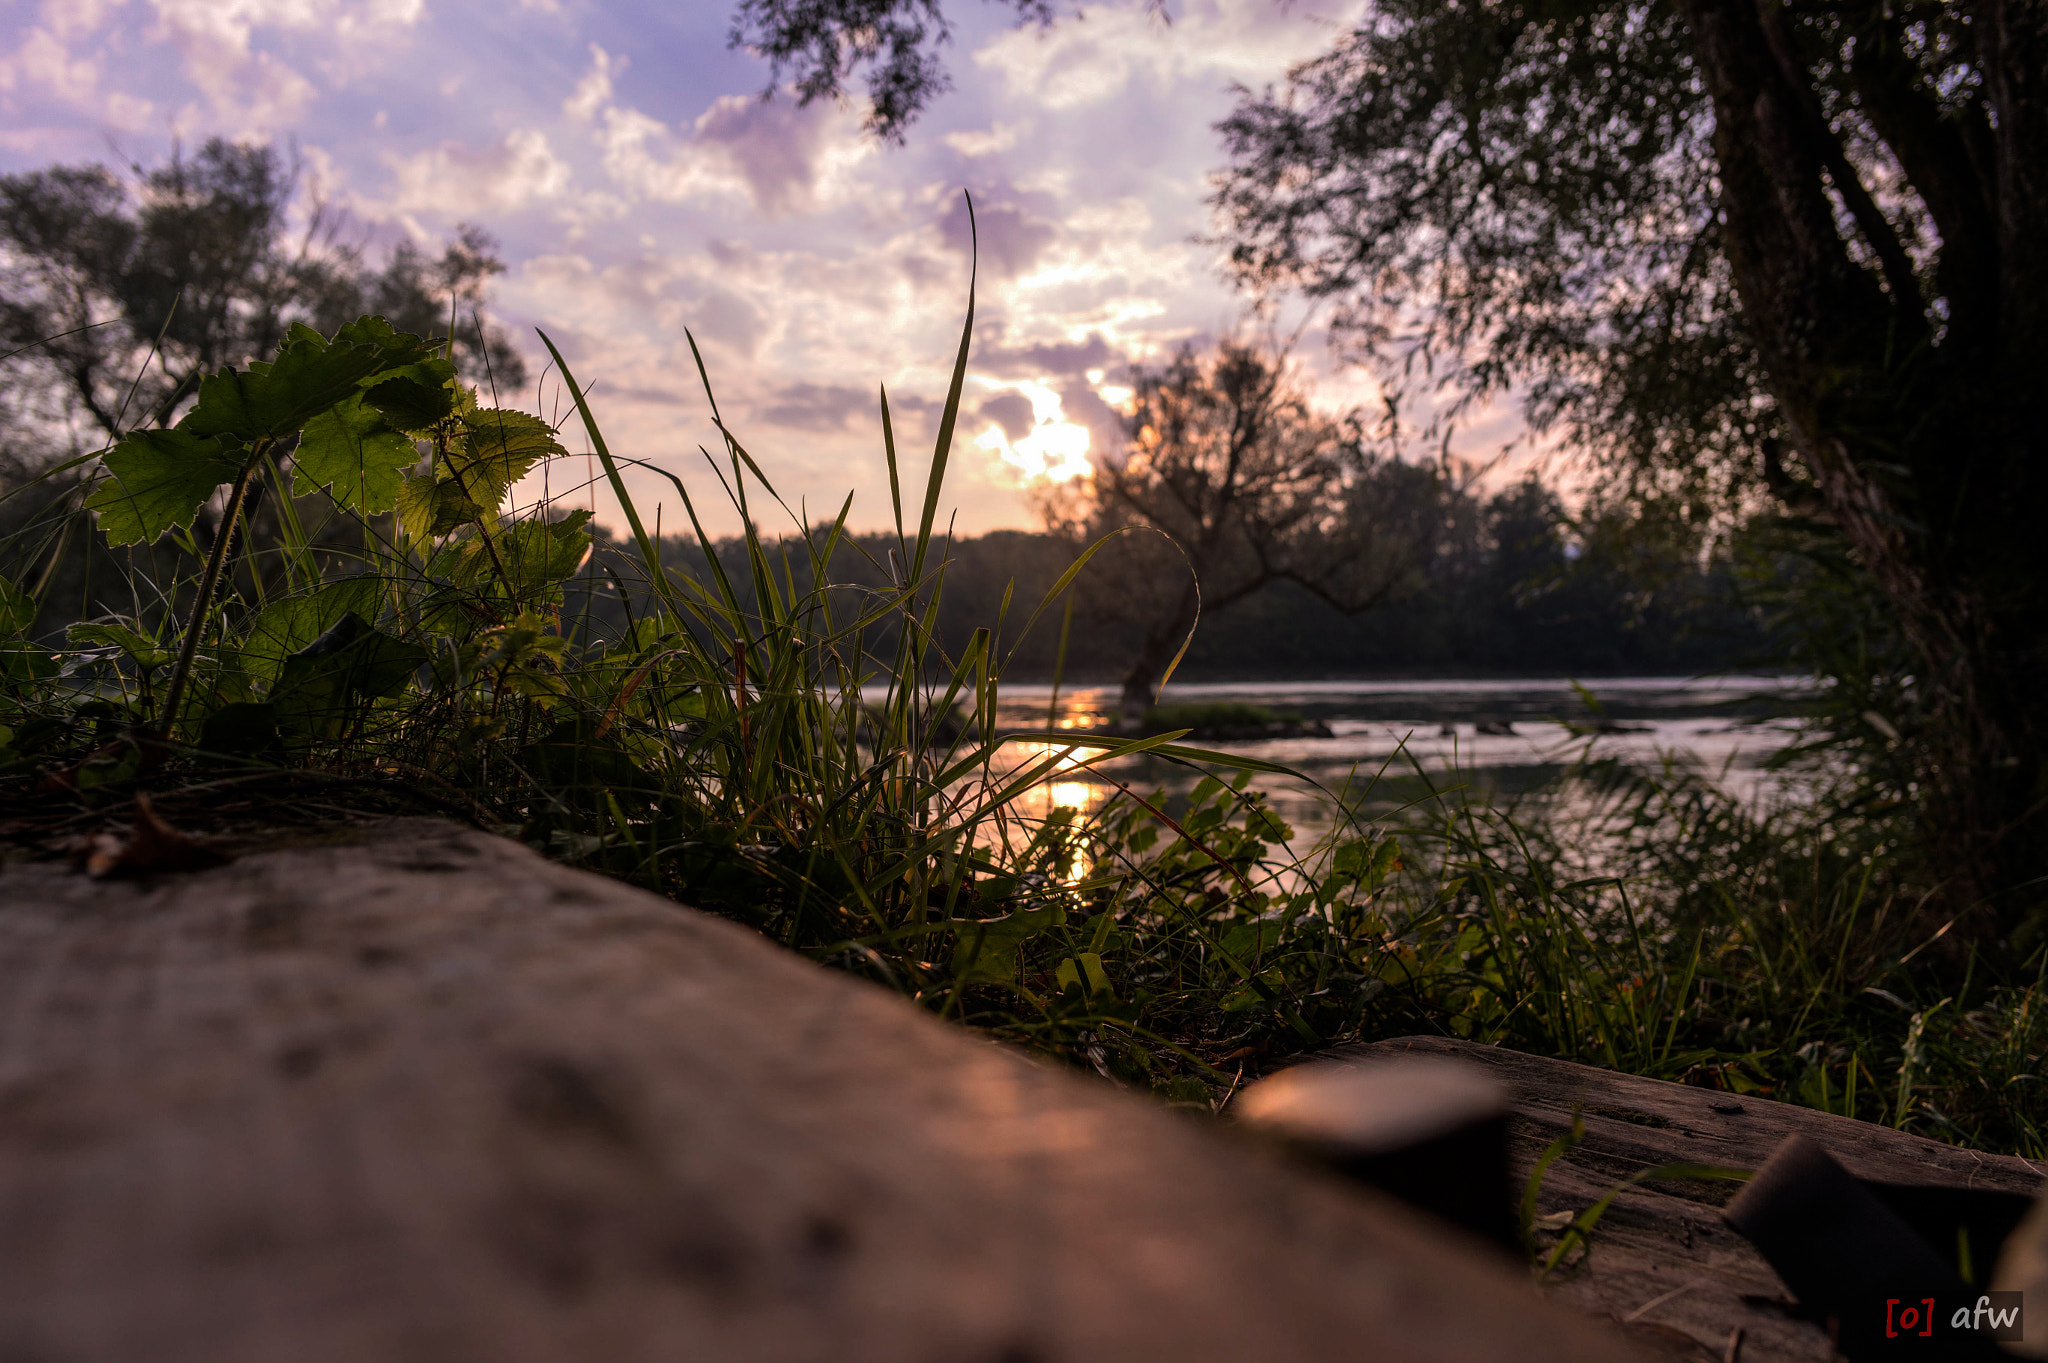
{"x":639,"y":185}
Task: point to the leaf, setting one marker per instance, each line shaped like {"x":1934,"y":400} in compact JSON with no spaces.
{"x":17,"y":609}
{"x":309,"y":375}
{"x":536,"y":554}
{"x":322,"y":687}
{"x":286,"y":626}
{"x":354,"y":452}
{"x":429,"y":507}
{"x":138,"y":646}
{"x":399,"y":347}
{"x":158,"y":479}
{"x":154,"y":847}
{"x":539,"y":553}
{"x":415,"y":398}
{"x":499,"y":449}
{"x":987,"y":950}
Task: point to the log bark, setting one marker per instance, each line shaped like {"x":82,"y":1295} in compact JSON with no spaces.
{"x":1663,"y":1264}
{"x":414,"y":1093}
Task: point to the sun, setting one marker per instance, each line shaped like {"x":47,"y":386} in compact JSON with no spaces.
{"x":1054,"y":449}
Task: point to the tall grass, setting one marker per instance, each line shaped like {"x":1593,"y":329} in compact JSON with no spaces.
{"x":817,"y":761}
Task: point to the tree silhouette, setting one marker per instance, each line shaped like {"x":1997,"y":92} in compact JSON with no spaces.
{"x":117,"y":294}
{"x":1247,"y":485}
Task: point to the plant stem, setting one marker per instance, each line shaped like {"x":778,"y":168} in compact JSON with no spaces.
{"x":208,"y":582}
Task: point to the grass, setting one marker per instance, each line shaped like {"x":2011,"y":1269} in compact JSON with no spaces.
{"x":809,"y":760}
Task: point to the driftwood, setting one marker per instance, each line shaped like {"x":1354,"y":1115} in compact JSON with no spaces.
{"x":1661,"y":1259}
{"x":416,"y":1094}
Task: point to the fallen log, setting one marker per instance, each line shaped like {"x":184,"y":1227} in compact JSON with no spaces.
{"x":412,"y":1093}
{"x":1662,"y":1262}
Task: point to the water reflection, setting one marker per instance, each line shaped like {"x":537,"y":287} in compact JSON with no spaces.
{"x":1493,"y":739}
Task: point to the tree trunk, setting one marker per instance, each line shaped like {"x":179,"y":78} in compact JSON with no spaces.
{"x":1162,"y":641}
{"x":1926,"y":446}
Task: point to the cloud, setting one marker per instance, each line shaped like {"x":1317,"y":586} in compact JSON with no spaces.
{"x":995,"y":355}
{"x":816,"y":407}
{"x":1099,"y":58}
{"x":1001,"y":137}
{"x":454,"y":180}
{"x":771,"y":153}
{"x":594,"y":91}
{"x":1011,"y":411}
{"x":635,"y":199}
{"x":1007,"y":239}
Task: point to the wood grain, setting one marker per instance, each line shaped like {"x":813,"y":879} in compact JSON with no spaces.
{"x":417,"y":1094}
{"x":1662,"y":1256}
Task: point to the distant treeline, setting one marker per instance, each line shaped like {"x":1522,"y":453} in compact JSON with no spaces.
{"x":1511,"y":586}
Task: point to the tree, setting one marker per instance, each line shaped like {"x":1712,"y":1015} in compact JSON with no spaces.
{"x":117,"y":294}
{"x":820,"y":44}
{"x":1708,"y":235}
{"x":1247,"y":485}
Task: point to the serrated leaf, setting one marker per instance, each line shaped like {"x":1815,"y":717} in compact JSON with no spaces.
{"x":431,"y":507}
{"x":540,"y":553}
{"x":353,"y":451}
{"x":286,"y":626}
{"x":17,"y":609}
{"x":415,"y":398}
{"x":498,"y":449}
{"x":309,"y":375}
{"x":158,"y":479}
{"x":401,"y":347}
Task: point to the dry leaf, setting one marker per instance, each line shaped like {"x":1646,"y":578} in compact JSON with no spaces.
{"x":153,"y":847}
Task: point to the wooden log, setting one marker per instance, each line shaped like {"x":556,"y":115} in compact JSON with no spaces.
{"x":416,"y":1094}
{"x":1661,"y":1257}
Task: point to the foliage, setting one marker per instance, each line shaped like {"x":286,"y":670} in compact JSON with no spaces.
{"x":192,"y":266}
{"x":1514,"y":585}
{"x":779,"y":757}
{"x":1521,"y":200}
{"x":1736,"y":251}
{"x":1244,"y":484}
{"x":821,"y":43}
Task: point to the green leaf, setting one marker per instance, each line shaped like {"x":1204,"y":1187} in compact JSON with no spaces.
{"x":158,"y":479}
{"x":268,"y":400}
{"x":429,"y":507}
{"x":499,"y":448}
{"x":536,"y":554}
{"x":987,"y":950}
{"x":143,"y":649}
{"x":353,"y":451}
{"x":284,"y":627}
{"x":322,"y":687}
{"x":17,"y":609}
{"x":540,"y":553}
{"x":415,"y":398}
{"x":400,"y":347}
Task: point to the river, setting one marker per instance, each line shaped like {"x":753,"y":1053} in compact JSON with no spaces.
{"x":1403,"y":736}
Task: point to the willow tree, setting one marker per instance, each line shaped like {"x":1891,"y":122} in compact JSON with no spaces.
{"x":1737,"y":248}
{"x":1246,"y":484}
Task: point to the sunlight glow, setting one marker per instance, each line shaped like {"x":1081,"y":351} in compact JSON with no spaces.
{"x":1055,"y":449}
